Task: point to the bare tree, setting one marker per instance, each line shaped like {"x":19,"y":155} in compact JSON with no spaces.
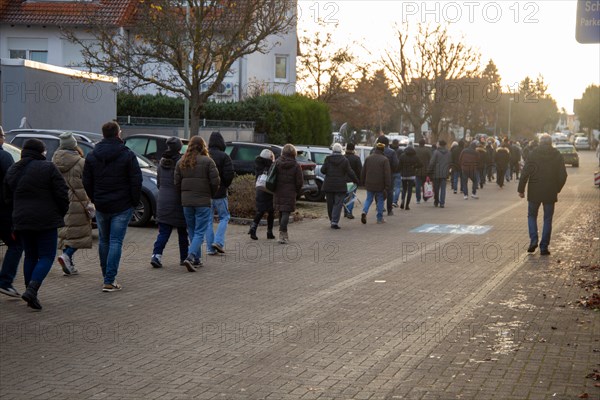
{"x":181,"y":45}
{"x":423,"y":75}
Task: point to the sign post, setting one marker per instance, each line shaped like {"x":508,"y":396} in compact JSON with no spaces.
{"x":588,"y":21}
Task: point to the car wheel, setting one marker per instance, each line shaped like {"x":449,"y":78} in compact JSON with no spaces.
{"x":317,"y":195}
{"x":142,"y":213}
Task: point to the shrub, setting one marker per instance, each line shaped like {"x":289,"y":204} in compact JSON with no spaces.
{"x":242,"y":195}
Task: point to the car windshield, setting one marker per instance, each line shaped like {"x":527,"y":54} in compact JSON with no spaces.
{"x":566,"y":149}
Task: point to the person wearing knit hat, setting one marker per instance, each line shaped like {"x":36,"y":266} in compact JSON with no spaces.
{"x":380,"y":146}
{"x":77,"y":232}
{"x":67,"y":141}
{"x":337,"y":171}
{"x":39,"y":207}
{"x":356,"y":165}
{"x":267,"y":155}
{"x":169,"y":211}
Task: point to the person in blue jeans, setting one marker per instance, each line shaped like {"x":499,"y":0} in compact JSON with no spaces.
{"x":376,"y":176}
{"x":169,"y":212}
{"x":543,"y":185}
{"x":14,"y":250}
{"x":215,"y":242}
{"x":440,"y":165}
{"x":112,"y":179}
{"x":40,"y":200}
{"x":356,"y":165}
{"x":197,"y":180}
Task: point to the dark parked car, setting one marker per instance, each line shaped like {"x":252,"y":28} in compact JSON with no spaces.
{"x":79,"y":135}
{"x":243,"y":154}
{"x":145,"y":210}
{"x":149,"y":145}
{"x":569,"y":153}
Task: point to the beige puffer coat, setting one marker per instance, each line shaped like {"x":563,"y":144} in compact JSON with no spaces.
{"x":77,"y":232}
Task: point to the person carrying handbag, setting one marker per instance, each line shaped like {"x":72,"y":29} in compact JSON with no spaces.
{"x":77,"y":232}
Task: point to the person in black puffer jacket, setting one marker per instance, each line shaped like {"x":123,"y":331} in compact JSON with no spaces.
{"x":215,"y":242}
{"x":112,"y":179}
{"x":169,"y":212}
{"x":337,"y":171}
{"x":264,"y":200}
{"x":40,"y":199}
{"x":409,"y":165}
{"x":289,"y":185}
{"x":356,"y":165}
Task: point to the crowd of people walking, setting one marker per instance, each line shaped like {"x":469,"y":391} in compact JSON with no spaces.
{"x":49,"y":205}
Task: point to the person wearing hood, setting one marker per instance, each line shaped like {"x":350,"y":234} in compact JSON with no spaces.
{"x":215,"y":242}
{"x":169,"y":211}
{"x":544,"y":174}
{"x":14,"y":250}
{"x":77,"y":232}
{"x":112,"y":179}
{"x":337,"y":171}
{"x":289,"y":185}
{"x":468,"y":161}
{"x":409,"y":165}
{"x":264,"y":199}
{"x":40,"y":200}
{"x":439,"y":167}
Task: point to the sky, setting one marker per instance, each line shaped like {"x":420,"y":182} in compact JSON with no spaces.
{"x":523,"y":38}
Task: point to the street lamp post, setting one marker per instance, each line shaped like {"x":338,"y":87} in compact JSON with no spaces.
{"x":510,"y":100}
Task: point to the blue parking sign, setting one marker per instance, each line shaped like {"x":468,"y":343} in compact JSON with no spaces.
{"x":588,"y":21}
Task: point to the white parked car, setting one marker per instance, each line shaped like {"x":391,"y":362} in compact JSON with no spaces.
{"x":582,"y":143}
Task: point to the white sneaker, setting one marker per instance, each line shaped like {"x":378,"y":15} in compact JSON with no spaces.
{"x":474,"y":196}
{"x":466,"y":197}
{"x":67,"y":265}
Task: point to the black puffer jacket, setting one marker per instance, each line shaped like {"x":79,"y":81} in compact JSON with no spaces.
{"x":264,"y":200}
{"x":112,"y":177}
{"x":39,"y":195}
{"x":544,"y":174}
{"x":337,"y":172}
{"x":6,"y":161}
{"x":169,"y":210}
{"x":216,"y":149}
{"x":289,"y":183}
{"x":409,"y":163}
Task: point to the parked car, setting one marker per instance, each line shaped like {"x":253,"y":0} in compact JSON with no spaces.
{"x":243,"y":155}
{"x":569,"y":153}
{"x":317,"y":155}
{"x":90,"y":137}
{"x":582,"y":143}
{"x":13,"y":150}
{"x":145,"y":210}
{"x":149,"y":145}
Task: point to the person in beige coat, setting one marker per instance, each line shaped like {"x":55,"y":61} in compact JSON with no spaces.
{"x":77,"y":232}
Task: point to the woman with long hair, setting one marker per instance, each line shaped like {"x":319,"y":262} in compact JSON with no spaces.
{"x":197,"y":179}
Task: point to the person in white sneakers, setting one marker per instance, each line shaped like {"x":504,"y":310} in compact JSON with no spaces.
{"x":77,"y":232}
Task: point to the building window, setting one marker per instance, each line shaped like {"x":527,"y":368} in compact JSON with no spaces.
{"x":38,"y":55}
{"x":281,"y":68}
{"x":35,"y":49}
{"x":18,"y":54}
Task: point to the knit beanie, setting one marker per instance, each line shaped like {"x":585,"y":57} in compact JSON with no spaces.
{"x":174,"y":144}
{"x":350,"y":146}
{"x":337,"y":148}
{"x":34,"y":145}
{"x":67,"y":141}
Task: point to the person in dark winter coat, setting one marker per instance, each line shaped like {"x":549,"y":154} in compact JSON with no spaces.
{"x":502,"y":158}
{"x":264,"y":200}
{"x":482,"y":164}
{"x":424,"y":154}
{"x":456,"y":173}
{"x":356,"y":165}
{"x":393,"y":159}
{"x":515,"y":160}
{"x":77,"y":232}
{"x":376,"y":177}
{"x":337,"y":171}
{"x":112,"y":179}
{"x":215,"y":242}
{"x":396,"y":175}
{"x":197,"y":180}
{"x":169,"y":212}
{"x":289,"y":185}
{"x":468,"y":161}
{"x":40,"y":200}
{"x":529,"y":148}
{"x":439,"y":167}
{"x":14,"y":250}
{"x":491,"y":151}
{"x":409,"y":165}
{"x":544,"y":175}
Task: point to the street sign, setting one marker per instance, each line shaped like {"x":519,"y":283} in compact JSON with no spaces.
{"x":588,"y":21}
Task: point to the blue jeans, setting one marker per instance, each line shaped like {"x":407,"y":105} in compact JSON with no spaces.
{"x":70,"y":251}
{"x":474,"y":177}
{"x":380,"y":203}
{"x":164,"y":233}
{"x":397,"y":184}
{"x":12,"y":257}
{"x":439,"y":191}
{"x":111,"y":233}
{"x":40,"y":250}
{"x":221,"y":207}
{"x":197,"y":219}
{"x":456,"y":174}
{"x":532,"y":213}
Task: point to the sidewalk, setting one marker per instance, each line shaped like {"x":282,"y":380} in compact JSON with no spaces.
{"x":367,"y":312}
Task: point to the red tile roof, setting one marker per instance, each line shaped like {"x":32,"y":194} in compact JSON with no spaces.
{"x":65,"y":13}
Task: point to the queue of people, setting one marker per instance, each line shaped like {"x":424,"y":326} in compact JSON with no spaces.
{"x":50,"y":204}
